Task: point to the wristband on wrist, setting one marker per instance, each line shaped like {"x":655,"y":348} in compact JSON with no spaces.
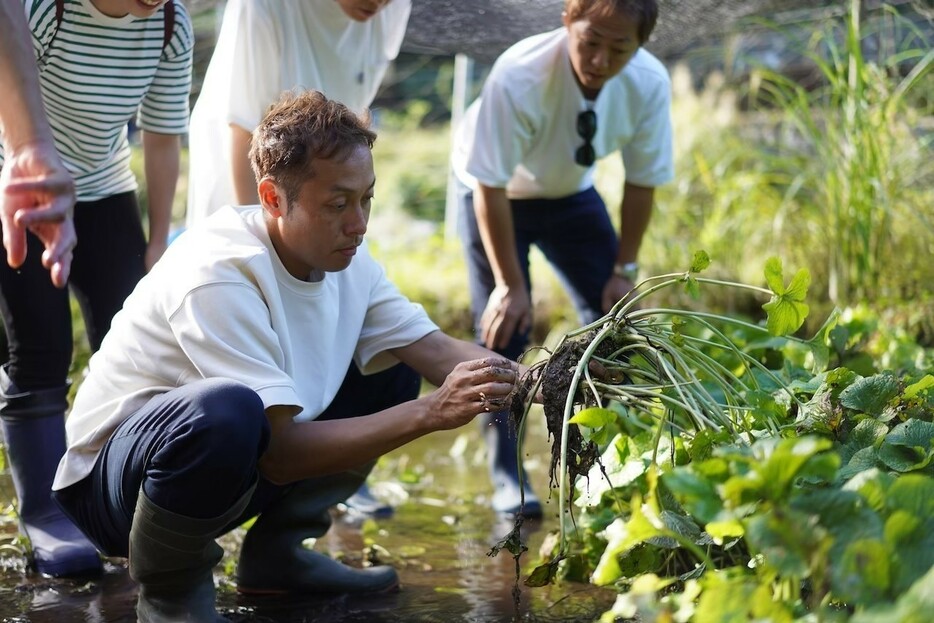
{"x":628,"y":270}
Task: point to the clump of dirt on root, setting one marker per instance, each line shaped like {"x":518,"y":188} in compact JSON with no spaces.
{"x":557,"y":373}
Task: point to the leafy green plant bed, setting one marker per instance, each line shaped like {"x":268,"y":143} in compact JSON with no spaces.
{"x":714,"y":469}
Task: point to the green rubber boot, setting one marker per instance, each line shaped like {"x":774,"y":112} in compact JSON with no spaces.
{"x":172,"y":557}
{"x":274,"y":561}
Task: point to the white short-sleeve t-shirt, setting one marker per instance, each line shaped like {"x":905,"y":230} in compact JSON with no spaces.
{"x":521,"y":133}
{"x":220,"y":304}
{"x":265,"y":47}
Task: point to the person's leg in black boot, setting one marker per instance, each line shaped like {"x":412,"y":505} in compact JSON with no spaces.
{"x":273,"y":559}
{"x":502,"y":438}
{"x":502,"y":445}
{"x":34,"y":432}
{"x":172,"y":478}
{"x":172,"y":557}
{"x":33,"y":395}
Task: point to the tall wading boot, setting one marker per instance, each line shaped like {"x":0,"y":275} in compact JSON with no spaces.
{"x":34,"y":429}
{"x":172,"y":558}
{"x":273,"y":559}
{"x":502,"y":444}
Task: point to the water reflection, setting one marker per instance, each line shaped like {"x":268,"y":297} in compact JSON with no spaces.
{"x":439,"y":541}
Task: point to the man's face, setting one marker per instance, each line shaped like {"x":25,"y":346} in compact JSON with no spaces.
{"x":320,"y":231}
{"x":136,"y":8}
{"x":600,"y":47}
{"x":361,"y":10}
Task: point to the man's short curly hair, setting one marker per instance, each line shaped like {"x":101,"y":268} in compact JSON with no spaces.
{"x":644,"y":11}
{"x":300,"y":128}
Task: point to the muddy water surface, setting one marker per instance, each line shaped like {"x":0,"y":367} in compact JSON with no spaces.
{"x":438,"y":539}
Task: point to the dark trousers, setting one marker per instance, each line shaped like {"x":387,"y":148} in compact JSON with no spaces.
{"x":108,"y":262}
{"x":194,"y":451}
{"x":574,"y":234}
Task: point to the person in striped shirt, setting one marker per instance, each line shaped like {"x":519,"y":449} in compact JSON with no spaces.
{"x":101,"y":62}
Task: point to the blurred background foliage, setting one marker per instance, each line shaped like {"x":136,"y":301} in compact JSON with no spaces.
{"x":807,"y":136}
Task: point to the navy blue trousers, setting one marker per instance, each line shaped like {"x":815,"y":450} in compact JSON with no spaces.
{"x":194,"y":451}
{"x":108,"y":262}
{"x":574,"y":234}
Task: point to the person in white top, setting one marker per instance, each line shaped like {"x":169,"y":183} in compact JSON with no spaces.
{"x":552,"y":105}
{"x":340,"y":47}
{"x":220,"y":391}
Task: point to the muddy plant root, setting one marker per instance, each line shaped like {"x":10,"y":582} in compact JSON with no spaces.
{"x":557,"y":374}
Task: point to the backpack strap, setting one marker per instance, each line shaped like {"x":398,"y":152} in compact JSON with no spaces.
{"x":168,"y":21}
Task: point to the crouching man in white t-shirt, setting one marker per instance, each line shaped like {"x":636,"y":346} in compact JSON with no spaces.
{"x":206,"y":403}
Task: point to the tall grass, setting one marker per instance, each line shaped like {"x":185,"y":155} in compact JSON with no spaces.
{"x":854,"y":156}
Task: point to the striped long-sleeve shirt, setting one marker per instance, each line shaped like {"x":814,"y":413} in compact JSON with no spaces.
{"x":96,"y":73}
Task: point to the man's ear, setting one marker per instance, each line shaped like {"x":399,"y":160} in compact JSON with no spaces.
{"x":565,"y":19}
{"x":272,"y":197}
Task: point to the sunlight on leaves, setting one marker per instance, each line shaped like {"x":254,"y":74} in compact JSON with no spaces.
{"x":786,"y":310}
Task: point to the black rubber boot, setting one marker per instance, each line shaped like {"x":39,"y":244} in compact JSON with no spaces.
{"x":34,"y":430}
{"x":172,"y":558}
{"x":502,"y":443}
{"x":274,"y":561}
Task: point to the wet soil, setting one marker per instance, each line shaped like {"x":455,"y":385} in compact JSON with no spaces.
{"x":438,"y":539}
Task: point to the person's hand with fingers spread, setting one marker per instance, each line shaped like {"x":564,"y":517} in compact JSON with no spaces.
{"x":508,"y":311}
{"x":37,"y":194}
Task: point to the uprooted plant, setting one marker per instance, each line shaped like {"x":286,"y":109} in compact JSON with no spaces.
{"x":665,"y":370}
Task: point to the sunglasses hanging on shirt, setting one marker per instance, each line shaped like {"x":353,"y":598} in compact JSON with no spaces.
{"x":586,"y":129}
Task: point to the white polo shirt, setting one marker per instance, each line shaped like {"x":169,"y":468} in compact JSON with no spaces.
{"x":220,"y":304}
{"x":521,"y":133}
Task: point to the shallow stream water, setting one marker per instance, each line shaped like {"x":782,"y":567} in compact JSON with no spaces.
{"x":438,"y":539}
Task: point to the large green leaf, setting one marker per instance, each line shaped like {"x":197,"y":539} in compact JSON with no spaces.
{"x":913,"y":493}
{"x":907,"y":447}
{"x":849,"y":520}
{"x":820,"y":352}
{"x":696,"y":492}
{"x":622,"y":535}
{"x":866,"y":434}
{"x":873,"y":484}
{"x":912,"y":538}
{"x":731,"y":595}
{"x":926,"y":383}
{"x":862,"y":460}
{"x":913,"y":606}
{"x":863,"y":574}
{"x":787,"y":540}
{"x":781,"y":461}
{"x":910,"y":528}
{"x":870,"y":395}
